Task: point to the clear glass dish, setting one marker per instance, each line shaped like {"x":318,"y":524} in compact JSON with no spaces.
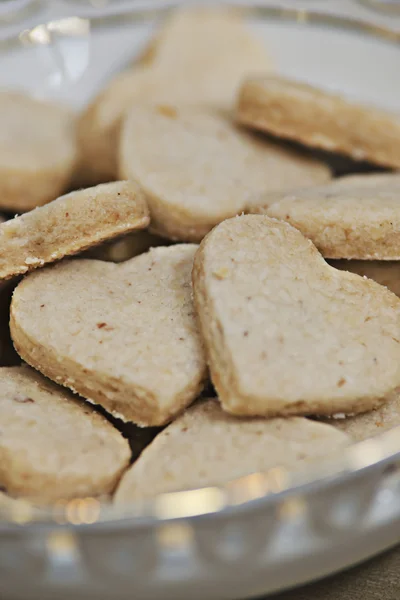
{"x":66,"y":56}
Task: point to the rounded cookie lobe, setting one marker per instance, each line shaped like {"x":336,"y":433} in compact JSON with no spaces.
{"x":53,"y":446}
{"x":123,"y":336}
{"x":320,"y":119}
{"x":285,"y":333}
{"x":70,"y":224}
{"x":354,"y":217}
{"x":38,"y":151}
{"x":206,"y":446}
{"x":197,"y":168}
{"x":385,"y":273}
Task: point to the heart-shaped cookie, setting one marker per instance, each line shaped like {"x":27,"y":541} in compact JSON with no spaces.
{"x":205,"y":446}
{"x":352,"y":217}
{"x":123,"y":336}
{"x":213,"y":172}
{"x":320,"y":119}
{"x":285,"y":332}
{"x":38,"y":151}
{"x":51,"y":445}
{"x":70,"y":224}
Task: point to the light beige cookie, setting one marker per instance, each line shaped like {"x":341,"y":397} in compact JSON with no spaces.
{"x":183,"y":69}
{"x":127,"y":247}
{"x":320,"y":119}
{"x":285,"y":333}
{"x":352,"y":217}
{"x":38,"y":151}
{"x":197,"y":168}
{"x":386,"y":273}
{"x":206,"y":446}
{"x":123,"y":336}
{"x":69,"y":225}
{"x":51,"y":445}
{"x":370,"y":424}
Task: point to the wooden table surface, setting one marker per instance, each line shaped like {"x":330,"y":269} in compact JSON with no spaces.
{"x":377,"y":579}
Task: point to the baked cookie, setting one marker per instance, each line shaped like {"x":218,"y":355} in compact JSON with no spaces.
{"x":127,"y":247}
{"x":38,"y":151}
{"x":352,"y":217}
{"x":370,"y":424}
{"x":205,"y":446}
{"x":69,"y":225}
{"x":51,"y":445}
{"x":320,"y":119}
{"x":123,"y":336}
{"x":285,"y":333}
{"x":179,"y":68}
{"x":197,"y":168}
{"x":386,"y":273}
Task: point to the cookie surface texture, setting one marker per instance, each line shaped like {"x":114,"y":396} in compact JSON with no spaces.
{"x":202,"y":169}
{"x":69,"y":225}
{"x":300,"y":112}
{"x":53,"y":446}
{"x":205,"y":446}
{"x":285,"y":333}
{"x":38,"y":151}
{"x":354,"y":217}
{"x":123,"y":336}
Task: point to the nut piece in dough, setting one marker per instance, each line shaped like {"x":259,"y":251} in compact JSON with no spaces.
{"x":354,"y":217}
{"x":197,"y":168}
{"x":320,"y":119}
{"x":53,"y":446}
{"x":206,"y":446}
{"x":123,"y":336}
{"x":38,"y":151}
{"x":286,"y":333}
{"x":183,"y":69}
{"x":69,"y":225}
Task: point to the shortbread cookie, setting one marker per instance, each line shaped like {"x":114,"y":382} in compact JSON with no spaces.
{"x":51,"y":445}
{"x":127,"y":247}
{"x":370,"y":424}
{"x":183,"y":69}
{"x":69,"y":225}
{"x":353,"y":217}
{"x":320,"y":119}
{"x":286,"y":333}
{"x":197,"y":168}
{"x":38,"y":151}
{"x":123,"y":336}
{"x":206,"y":446}
{"x":386,"y":273}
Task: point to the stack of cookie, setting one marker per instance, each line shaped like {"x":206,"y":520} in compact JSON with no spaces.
{"x":213,"y":331}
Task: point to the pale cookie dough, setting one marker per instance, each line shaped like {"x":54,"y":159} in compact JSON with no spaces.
{"x":123,"y":336}
{"x":69,"y":225}
{"x":199,"y":57}
{"x":206,"y":446}
{"x":354,"y":217}
{"x":38,"y":151}
{"x":197,"y":168}
{"x":320,"y":119}
{"x":129,"y":246}
{"x":285,"y":333}
{"x":370,"y":424}
{"x":384,"y":272}
{"x":51,"y":445}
